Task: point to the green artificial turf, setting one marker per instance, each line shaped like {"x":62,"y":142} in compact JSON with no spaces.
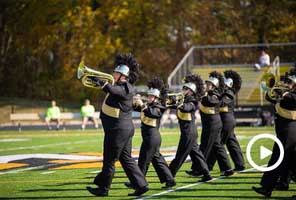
{"x":48,"y":183}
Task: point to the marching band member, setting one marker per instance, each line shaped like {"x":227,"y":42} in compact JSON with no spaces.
{"x":285,"y":126}
{"x":211,"y":141}
{"x":151,"y":113}
{"x":116,"y":116}
{"x":232,"y":85}
{"x":192,"y":90}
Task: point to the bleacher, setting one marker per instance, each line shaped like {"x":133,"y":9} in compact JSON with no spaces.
{"x":250,"y":90}
{"x":249,"y":77}
{"x":239,"y":57}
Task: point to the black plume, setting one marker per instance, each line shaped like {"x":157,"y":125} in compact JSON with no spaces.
{"x":130,"y":61}
{"x":196,"y":79}
{"x":237,"y":81}
{"x":158,"y":83}
{"x":219,"y":76}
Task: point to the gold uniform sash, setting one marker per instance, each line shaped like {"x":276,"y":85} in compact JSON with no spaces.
{"x":223,"y":109}
{"x":184,"y":116}
{"x":288,"y":114}
{"x":110,"y":111}
{"x":207,"y":110}
{"x":147,"y":120}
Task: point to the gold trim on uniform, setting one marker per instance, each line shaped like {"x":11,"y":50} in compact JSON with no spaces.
{"x":207,"y":110}
{"x":288,"y":114}
{"x":147,"y":120}
{"x":110,"y":111}
{"x":223,"y":109}
{"x":184,"y":116}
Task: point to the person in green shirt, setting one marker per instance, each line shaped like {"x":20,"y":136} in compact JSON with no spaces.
{"x":87,"y":112}
{"x":53,"y":114}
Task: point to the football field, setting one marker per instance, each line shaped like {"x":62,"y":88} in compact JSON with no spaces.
{"x":60,"y":164}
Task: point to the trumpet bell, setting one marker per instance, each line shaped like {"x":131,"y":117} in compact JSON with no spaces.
{"x":85,"y":74}
{"x":269,"y":80}
{"x":173,"y":99}
{"x":139,"y":100}
{"x":275,"y":88}
{"x":80,"y":70}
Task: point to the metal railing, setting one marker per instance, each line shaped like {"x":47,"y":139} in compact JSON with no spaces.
{"x":206,"y":55}
{"x":184,"y":67}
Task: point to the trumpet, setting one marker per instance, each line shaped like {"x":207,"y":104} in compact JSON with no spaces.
{"x":139,"y":100}
{"x":275,"y":88}
{"x":85,"y":73}
{"x":174,"y":99}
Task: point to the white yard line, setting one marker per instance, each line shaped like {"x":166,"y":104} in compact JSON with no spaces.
{"x":187,"y":186}
{"x":15,"y":140}
{"x":48,"y":172}
{"x":94,"y":172}
{"x":47,"y":145}
{"x":27,"y":169}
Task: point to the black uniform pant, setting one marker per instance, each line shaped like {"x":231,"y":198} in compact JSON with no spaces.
{"x":188,"y":145}
{"x":228,"y":137}
{"x":117,"y":145}
{"x":270,"y":178}
{"x":293,"y":164}
{"x":211,"y":141}
{"x":198,"y":160}
{"x":285,"y":130}
{"x":149,"y":152}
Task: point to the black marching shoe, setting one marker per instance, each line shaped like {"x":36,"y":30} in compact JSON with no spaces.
{"x":169,"y":184}
{"x":139,"y":191}
{"x":194,"y":173}
{"x":261,"y":190}
{"x":97,"y":191}
{"x":205,"y":178}
{"x":228,"y":172}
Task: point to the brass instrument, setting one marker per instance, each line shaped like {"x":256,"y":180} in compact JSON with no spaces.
{"x":139,"y":100}
{"x":85,"y":73}
{"x":173,"y":99}
{"x":274,"y":87}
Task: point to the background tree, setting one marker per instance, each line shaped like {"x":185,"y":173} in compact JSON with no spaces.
{"x":42,"y":42}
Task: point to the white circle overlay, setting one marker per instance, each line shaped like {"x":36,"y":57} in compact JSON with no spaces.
{"x":269,"y":136}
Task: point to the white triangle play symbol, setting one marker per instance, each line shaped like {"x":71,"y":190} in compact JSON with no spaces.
{"x":264,"y":152}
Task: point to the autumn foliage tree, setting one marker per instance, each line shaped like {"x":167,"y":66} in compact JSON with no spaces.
{"x":42,"y":41}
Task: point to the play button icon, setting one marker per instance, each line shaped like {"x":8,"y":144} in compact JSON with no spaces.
{"x":265,"y":152}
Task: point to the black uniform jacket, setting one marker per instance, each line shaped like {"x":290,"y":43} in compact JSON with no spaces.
{"x":117,"y":107}
{"x":186,"y":114}
{"x":151,"y":114}
{"x":227,"y":101}
{"x":209,"y":108}
{"x":286,"y":107}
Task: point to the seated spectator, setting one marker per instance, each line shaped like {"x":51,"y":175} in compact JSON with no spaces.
{"x":87,"y":112}
{"x":53,"y":114}
{"x":264,"y":60}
